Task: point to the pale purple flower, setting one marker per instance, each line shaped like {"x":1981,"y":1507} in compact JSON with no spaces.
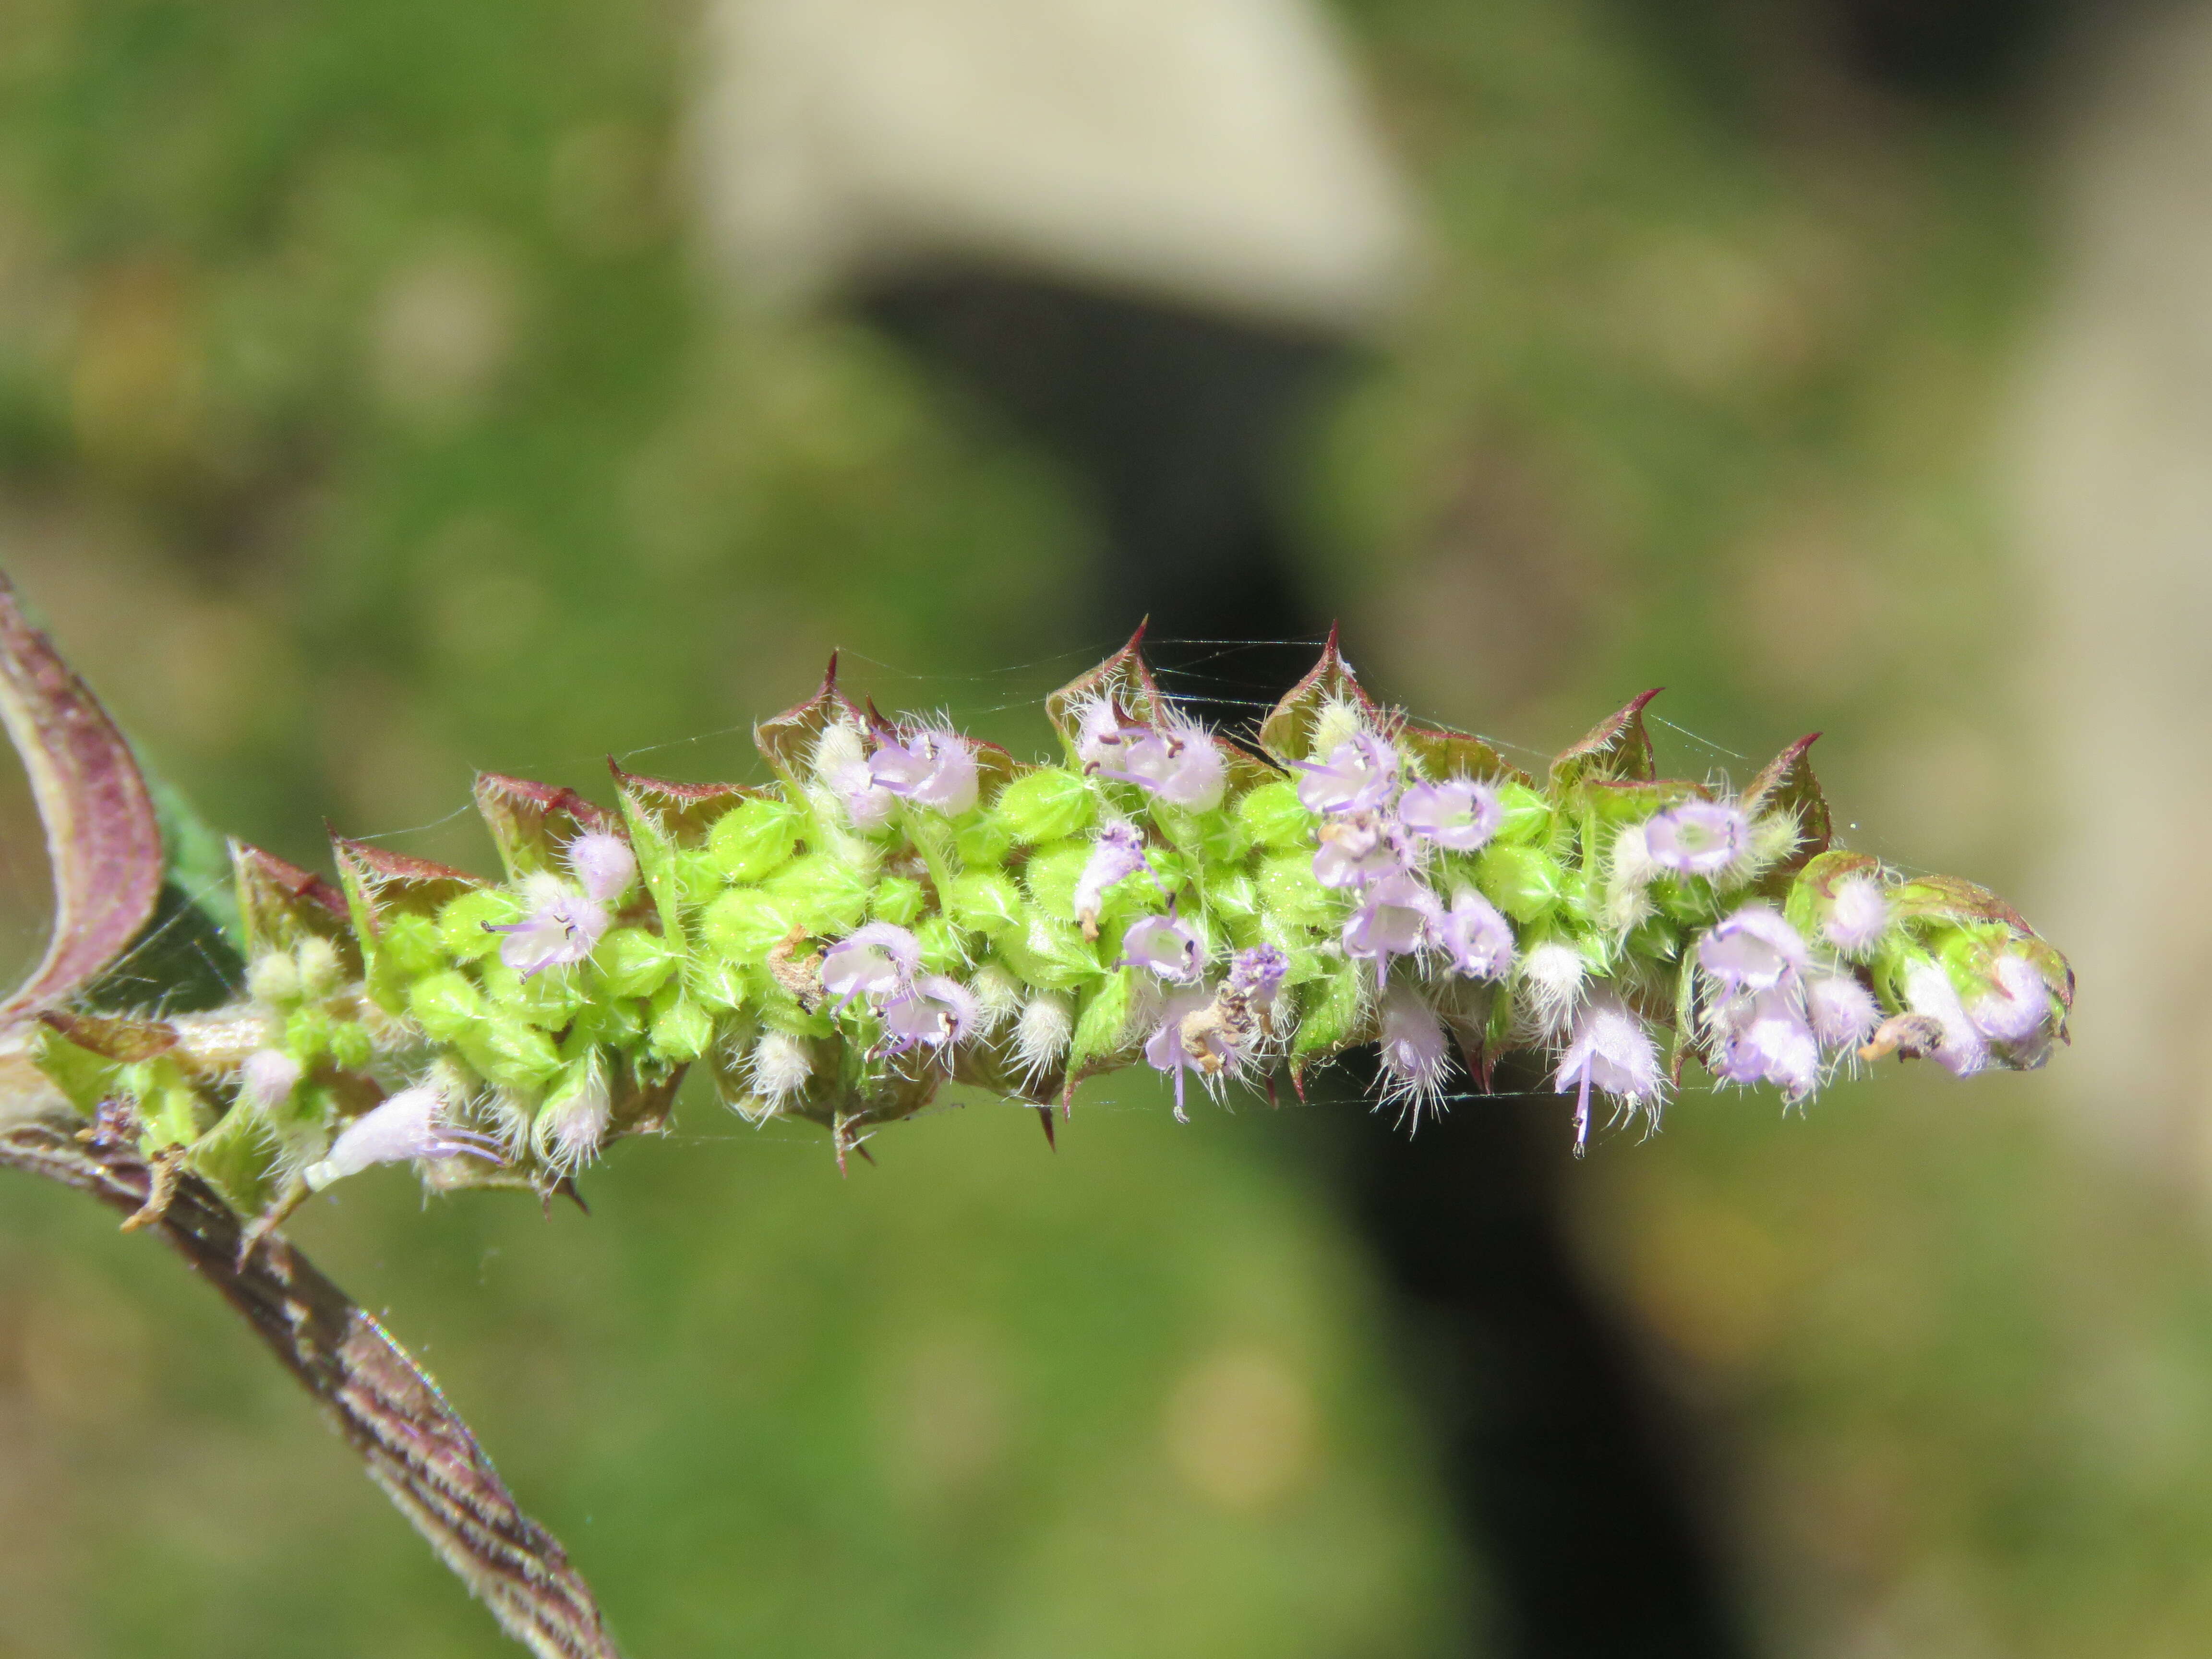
{"x":406,"y":1127}
{"x":1356,"y":848}
{"x":1928,"y":990}
{"x":1476,"y":940}
{"x":1766,"y":1039}
{"x":1102,"y":733}
{"x":1359,"y":775}
{"x":841,"y":763}
{"x":931,"y":767}
{"x":1164,"y":946}
{"x":1179,"y":762}
{"x":1753,"y":949}
{"x":877,"y":961}
{"x":1256,"y":974}
{"x":2017,"y":1004}
{"x":1165,"y":1050}
{"x":604,"y":865}
{"x":1608,"y":1049}
{"x":937,"y":1012}
{"x":267,"y":1079}
{"x":562,"y":927}
{"x":1115,"y":856}
{"x":1699,"y":837}
{"x":1858,"y":915}
{"x":1395,"y":919}
{"x":1415,"y":1055}
{"x":1842,"y":1012}
{"x":1459,"y":814}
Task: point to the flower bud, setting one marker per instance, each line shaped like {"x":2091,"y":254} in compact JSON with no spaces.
{"x":781,"y":1067}
{"x":603,"y":865}
{"x":267,"y":1079}
{"x":274,"y":979}
{"x":897,"y":899}
{"x":321,"y":972}
{"x":682,"y":1031}
{"x":447,"y":1005}
{"x":633,"y":963}
{"x":1042,"y":1033}
{"x":571,"y":1126}
{"x":753,"y":841}
{"x":1274,"y":817}
{"x":1048,"y":805}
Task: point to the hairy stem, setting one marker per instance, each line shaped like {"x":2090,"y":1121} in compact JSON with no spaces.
{"x":412,"y":1441}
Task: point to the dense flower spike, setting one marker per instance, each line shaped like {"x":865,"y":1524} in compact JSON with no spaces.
{"x":906,"y":906}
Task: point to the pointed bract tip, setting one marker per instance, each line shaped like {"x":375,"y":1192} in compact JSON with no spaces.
{"x":1051,"y":1140}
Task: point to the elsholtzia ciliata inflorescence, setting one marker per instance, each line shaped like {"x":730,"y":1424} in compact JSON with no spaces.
{"x":905,"y":906}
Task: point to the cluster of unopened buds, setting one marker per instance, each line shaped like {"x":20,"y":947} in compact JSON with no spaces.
{"x":905,"y":906}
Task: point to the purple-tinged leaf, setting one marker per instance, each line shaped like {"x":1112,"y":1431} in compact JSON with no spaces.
{"x":1617,"y":751}
{"x":102,"y":834}
{"x":1788,"y":785}
{"x":1286,"y":735}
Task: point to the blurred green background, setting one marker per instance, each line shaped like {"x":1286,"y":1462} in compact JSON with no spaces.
{"x":366,"y":418}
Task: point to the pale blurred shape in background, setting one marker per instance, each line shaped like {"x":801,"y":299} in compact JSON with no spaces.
{"x":1214,"y":152}
{"x":2114,"y":492}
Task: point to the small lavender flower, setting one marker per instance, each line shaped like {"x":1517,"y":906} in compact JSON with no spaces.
{"x":404,"y":1128}
{"x":267,"y":1079}
{"x":1102,"y":734}
{"x":1396,"y":918}
{"x":1608,"y":1049}
{"x":1842,"y":1012}
{"x":1178,"y":762}
{"x":1963,"y":1050}
{"x":604,"y":865}
{"x":563,"y":926}
{"x":1226,"y":1033}
{"x":877,"y":961}
{"x":841,"y":764}
{"x":936,"y":1013}
{"x":1699,"y":837}
{"x":1115,"y":856}
{"x":1459,"y":814}
{"x":1256,"y":974}
{"x":1042,"y":1033}
{"x":1858,"y":915}
{"x":1753,"y":949}
{"x":2017,"y":1006}
{"x":1356,"y":848}
{"x":1415,"y":1055}
{"x":1164,"y":946}
{"x":1165,"y":1049}
{"x":1359,"y":775}
{"x":1766,"y":1038}
{"x":1475,"y":938}
{"x":932,"y":766}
